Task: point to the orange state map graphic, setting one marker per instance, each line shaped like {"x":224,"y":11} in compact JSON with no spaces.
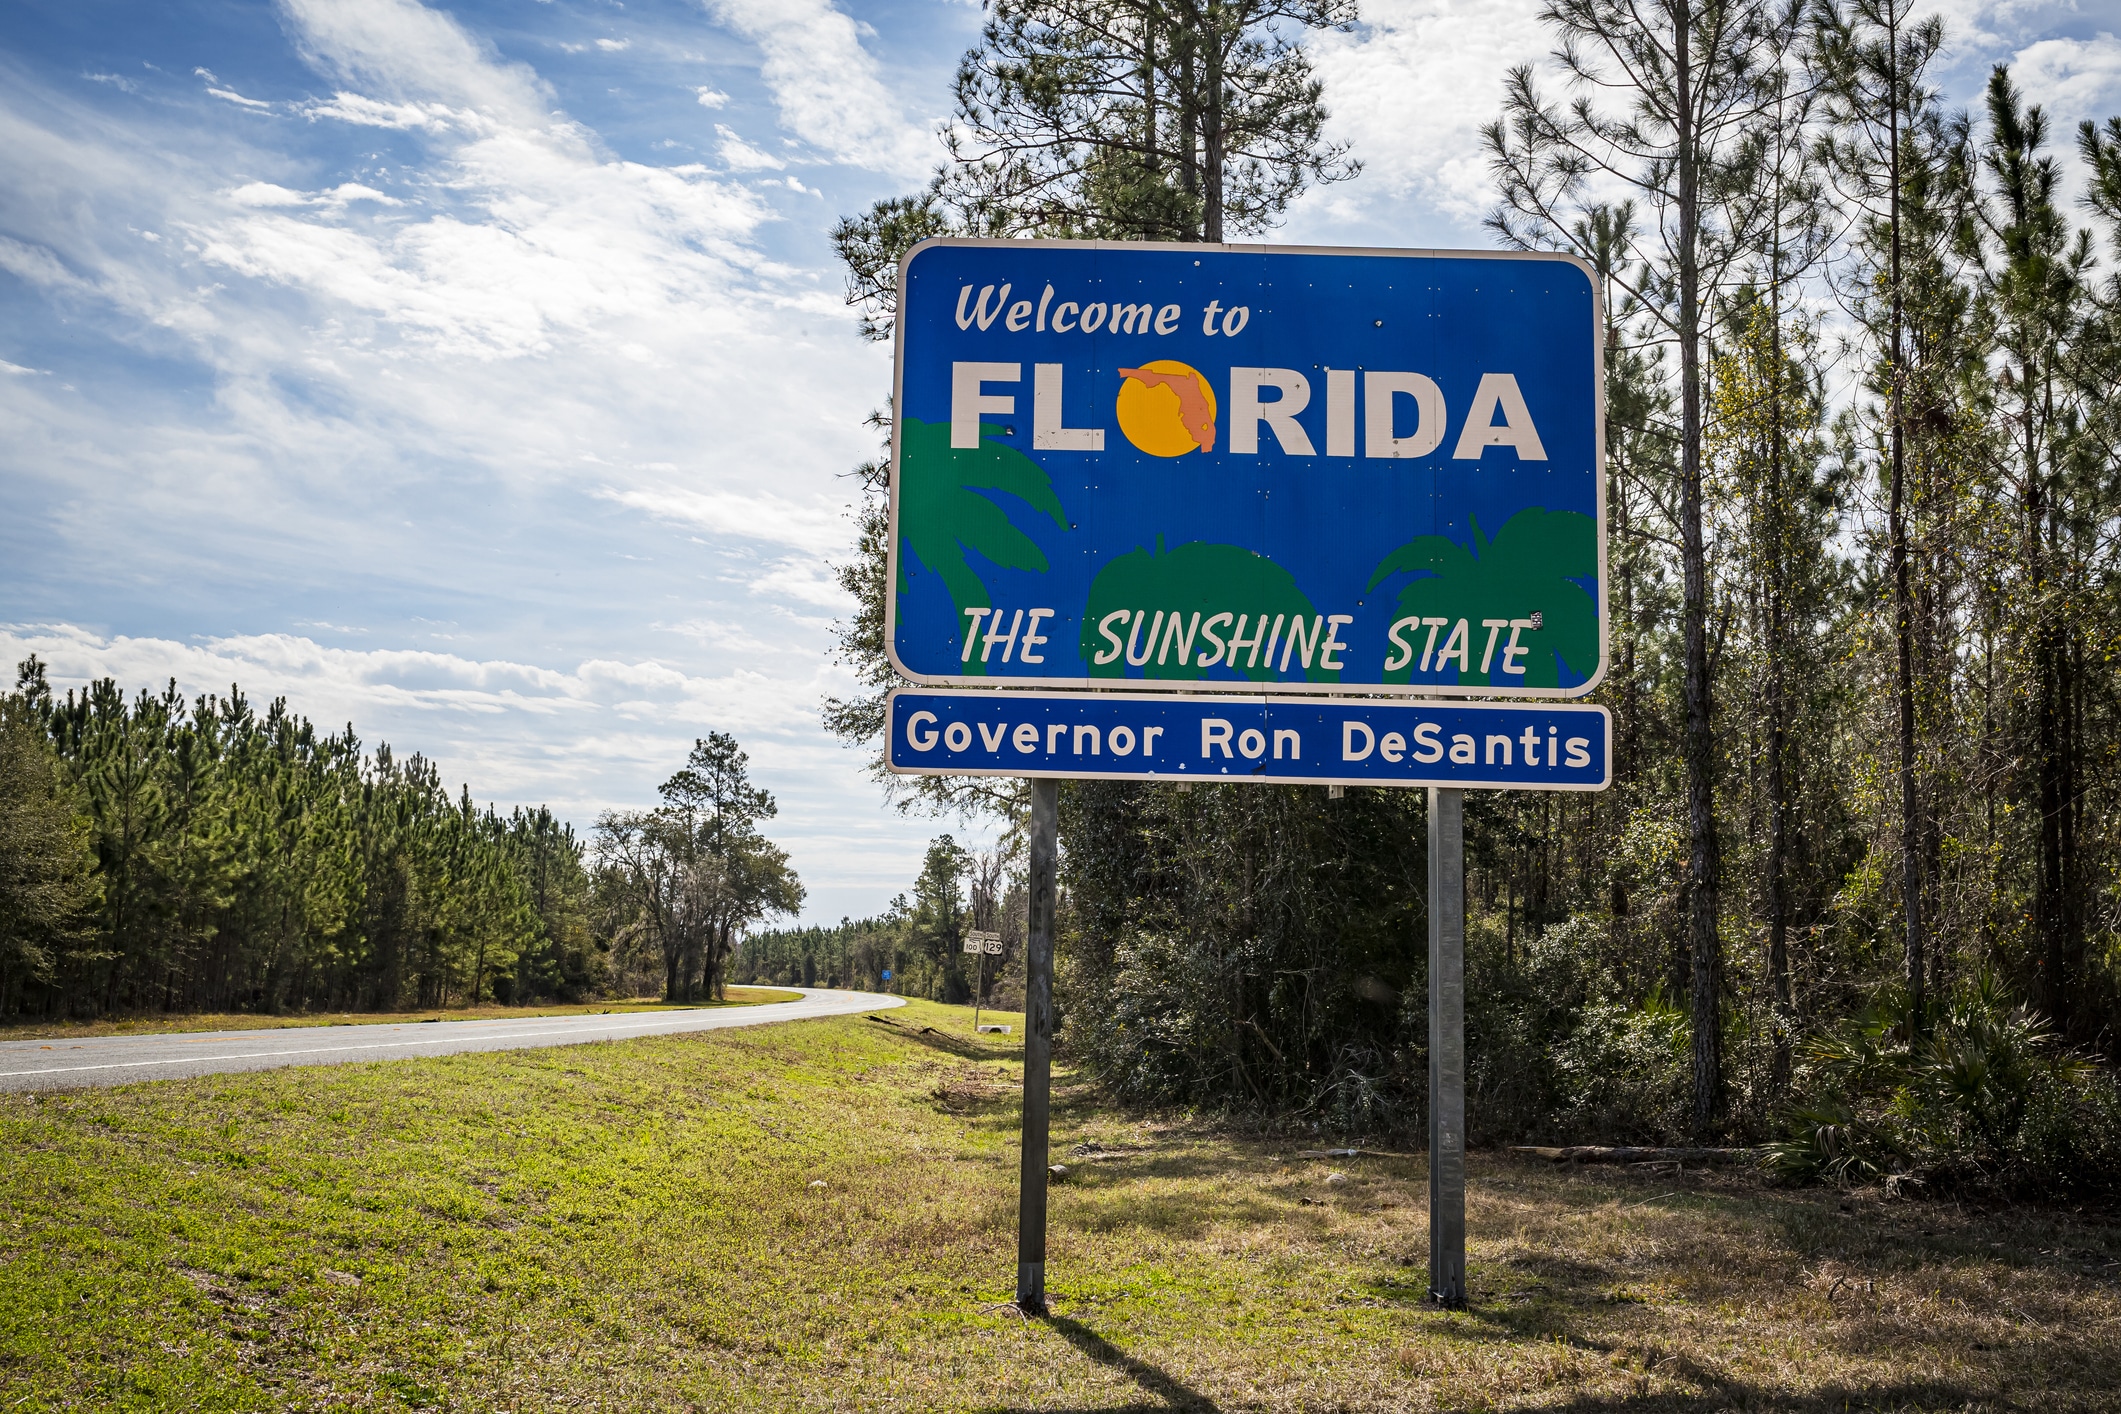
{"x":1196,"y":410}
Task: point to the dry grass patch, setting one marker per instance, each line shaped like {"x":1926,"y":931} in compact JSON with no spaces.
{"x":822,"y":1216}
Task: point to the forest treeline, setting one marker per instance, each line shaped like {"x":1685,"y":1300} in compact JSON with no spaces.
{"x":919,"y":940}
{"x":165,"y":854}
{"x":1854,"y":889}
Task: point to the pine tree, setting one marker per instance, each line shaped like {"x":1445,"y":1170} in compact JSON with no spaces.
{"x":1695,"y":79}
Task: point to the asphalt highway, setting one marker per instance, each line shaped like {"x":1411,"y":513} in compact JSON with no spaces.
{"x":122,"y":1060}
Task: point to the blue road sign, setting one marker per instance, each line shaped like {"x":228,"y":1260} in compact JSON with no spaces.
{"x":1252,"y":468}
{"x":887,"y":974}
{"x":1283,"y":741}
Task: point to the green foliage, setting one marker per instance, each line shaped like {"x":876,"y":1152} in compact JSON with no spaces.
{"x":854,"y":953}
{"x":679,"y":884}
{"x":1130,"y":122}
{"x":1985,"y":1098}
{"x":935,"y":925}
{"x":920,"y":940}
{"x":47,"y":874}
{"x":1557,"y":1050}
{"x":1115,"y":121}
{"x":1244,"y":946}
{"x":227,"y":861}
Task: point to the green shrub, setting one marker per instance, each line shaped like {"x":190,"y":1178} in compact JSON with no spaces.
{"x":1986,"y":1098}
{"x":1623,"y":1073}
{"x":1557,"y":1050}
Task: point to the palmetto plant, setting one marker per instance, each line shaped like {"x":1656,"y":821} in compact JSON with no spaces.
{"x":1951,"y":1105}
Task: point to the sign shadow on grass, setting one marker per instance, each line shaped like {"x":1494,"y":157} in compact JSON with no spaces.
{"x":1171,"y":1394}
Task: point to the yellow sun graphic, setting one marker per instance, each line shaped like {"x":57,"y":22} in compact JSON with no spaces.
{"x":1167,"y":409}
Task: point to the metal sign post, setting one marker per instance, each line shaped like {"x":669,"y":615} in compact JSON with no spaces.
{"x":1256,"y":512}
{"x":1447,"y":1048}
{"x":1038,"y":1047}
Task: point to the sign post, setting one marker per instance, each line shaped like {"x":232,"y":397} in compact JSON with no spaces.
{"x":1038,"y":1047}
{"x":1249,"y":513}
{"x":1447,"y":1047}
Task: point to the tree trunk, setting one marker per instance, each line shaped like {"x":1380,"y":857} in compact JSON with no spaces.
{"x":1777,"y":709}
{"x":1212,"y":174}
{"x":1911,"y":831}
{"x":1704,"y":941}
{"x":2049,"y":887}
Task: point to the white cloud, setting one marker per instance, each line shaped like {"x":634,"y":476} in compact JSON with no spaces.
{"x":613,"y":46}
{"x":818,"y":526}
{"x":2074,"y":79}
{"x":267,"y":194}
{"x":711,"y":97}
{"x":405,"y":51}
{"x":18,"y":371}
{"x":741,"y":156}
{"x":36,"y":265}
{"x":568,"y":243}
{"x":367,"y":112}
{"x":424,"y":697}
{"x":255,"y":104}
{"x":827,"y":85}
{"x":355,"y":191}
{"x":1974,"y":29}
{"x":807,"y":578}
{"x":1412,"y":88}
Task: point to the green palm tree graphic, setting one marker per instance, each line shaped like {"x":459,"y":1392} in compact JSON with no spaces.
{"x":1192,"y":583}
{"x":943,"y":512}
{"x":1529,"y":568}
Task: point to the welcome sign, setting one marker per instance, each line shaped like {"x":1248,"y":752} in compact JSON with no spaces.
{"x":1188,"y":467}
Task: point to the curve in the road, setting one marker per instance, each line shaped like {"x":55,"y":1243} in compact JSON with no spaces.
{"x":122,"y":1060}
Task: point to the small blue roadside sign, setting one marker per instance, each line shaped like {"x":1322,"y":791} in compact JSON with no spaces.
{"x":1276,"y":469}
{"x":887,"y":974}
{"x":1284,"y":741}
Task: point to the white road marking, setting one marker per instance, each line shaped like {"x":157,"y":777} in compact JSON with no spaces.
{"x":815,"y":1005}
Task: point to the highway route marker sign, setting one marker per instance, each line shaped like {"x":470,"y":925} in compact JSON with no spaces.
{"x":985,"y":944}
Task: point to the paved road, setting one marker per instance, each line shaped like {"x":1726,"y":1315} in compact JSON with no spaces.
{"x":121,"y":1060}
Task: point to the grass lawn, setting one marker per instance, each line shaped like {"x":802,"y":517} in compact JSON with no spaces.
{"x":822,"y":1216}
{"x":154,"y":1022}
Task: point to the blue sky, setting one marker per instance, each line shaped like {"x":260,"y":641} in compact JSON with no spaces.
{"x":478,"y":373}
